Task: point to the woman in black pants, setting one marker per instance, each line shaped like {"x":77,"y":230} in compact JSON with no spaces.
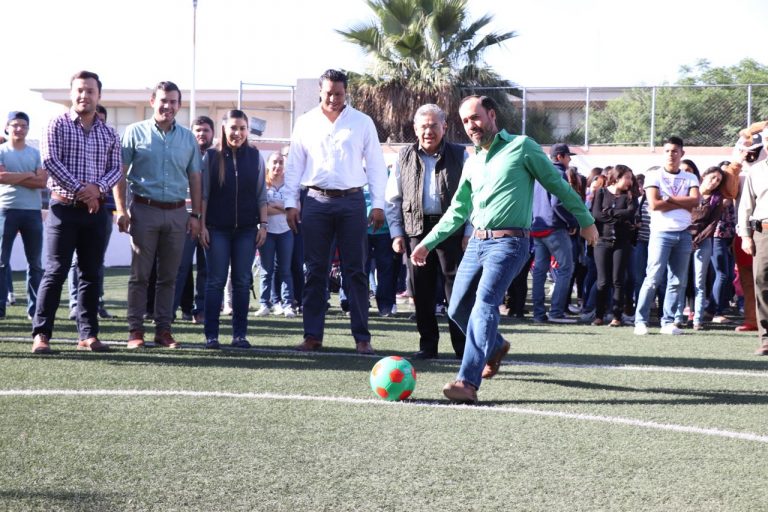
{"x":613,"y":208}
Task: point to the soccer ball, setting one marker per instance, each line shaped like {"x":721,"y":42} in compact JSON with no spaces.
{"x":393,"y":378}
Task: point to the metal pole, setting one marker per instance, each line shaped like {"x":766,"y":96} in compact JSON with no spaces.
{"x":192,"y":106}
{"x":749,"y":104}
{"x":240,"y":96}
{"x":653,"y":119}
{"x":293,"y":106}
{"x":586,"y":121}
{"x":525,"y":108}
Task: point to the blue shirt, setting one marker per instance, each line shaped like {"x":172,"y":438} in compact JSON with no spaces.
{"x":159,"y":163}
{"x":22,"y":160}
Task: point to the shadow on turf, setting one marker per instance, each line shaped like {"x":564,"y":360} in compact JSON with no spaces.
{"x":60,"y":500}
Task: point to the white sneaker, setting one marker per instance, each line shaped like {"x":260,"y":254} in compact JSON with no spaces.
{"x":640,"y":330}
{"x":226,"y":310}
{"x":263,"y":311}
{"x":394,"y":309}
{"x":288,"y":313}
{"x":562,"y":320}
{"x":278,"y":309}
{"x":587,"y":317}
{"x":671,"y":329}
{"x":575,"y":309}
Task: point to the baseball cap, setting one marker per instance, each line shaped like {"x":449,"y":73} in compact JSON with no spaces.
{"x":16,"y":114}
{"x":560,"y":149}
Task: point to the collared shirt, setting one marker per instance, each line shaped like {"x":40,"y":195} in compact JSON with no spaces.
{"x":496,"y":189}
{"x":160,"y":162}
{"x":26,"y":159}
{"x":335,"y":155}
{"x":430,"y":199}
{"x":74,"y":158}
{"x":753,"y":203}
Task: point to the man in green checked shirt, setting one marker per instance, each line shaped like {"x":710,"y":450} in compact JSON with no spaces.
{"x":496,"y":193}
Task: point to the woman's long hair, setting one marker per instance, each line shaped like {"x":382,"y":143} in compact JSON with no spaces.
{"x":224,"y":144}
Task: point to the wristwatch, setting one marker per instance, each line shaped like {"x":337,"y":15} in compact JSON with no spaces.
{"x":197,"y":216}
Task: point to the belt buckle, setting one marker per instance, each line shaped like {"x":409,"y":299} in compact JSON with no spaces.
{"x":488,"y":234}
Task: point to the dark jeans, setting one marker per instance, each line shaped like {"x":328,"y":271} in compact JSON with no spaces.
{"x":71,"y":230}
{"x":191,"y":248}
{"x":29,"y":223}
{"x":385,"y":260}
{"x":443,"y":259}
{"x":73,"y":280}
{"x":325,"y":219}
{"x":611,"y":258}
{"x":723,"y":261}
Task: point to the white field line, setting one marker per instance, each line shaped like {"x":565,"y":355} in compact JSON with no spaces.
{"x":508,"y":362}
{"x":614,"y":420}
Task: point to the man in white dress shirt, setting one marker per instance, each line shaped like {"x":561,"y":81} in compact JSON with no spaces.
{"x":335,"y":152}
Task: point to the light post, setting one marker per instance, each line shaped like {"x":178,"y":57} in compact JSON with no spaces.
{"x":192,"y":109}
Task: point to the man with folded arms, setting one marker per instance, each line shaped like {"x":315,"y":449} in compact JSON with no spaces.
{"x":495,"y":193}
{"x":161,"y":160}
{"x":82,"y":157}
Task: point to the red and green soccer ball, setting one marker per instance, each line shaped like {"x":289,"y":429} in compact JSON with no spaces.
{"x":393,"y":378}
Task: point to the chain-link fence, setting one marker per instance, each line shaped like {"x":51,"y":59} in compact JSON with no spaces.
{"x":637,"y":116}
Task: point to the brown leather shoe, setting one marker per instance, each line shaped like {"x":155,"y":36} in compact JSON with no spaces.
{"x":41,"y":344}
{"x":309,"y":344}
{"x":460,"y":392}
{"x":165,"y":339}
{"x":494,"y":363}
{"x":136,"y":339}
{"x":365,"y":348}
{"x":92,"y":344}
{"x":763,"y":350}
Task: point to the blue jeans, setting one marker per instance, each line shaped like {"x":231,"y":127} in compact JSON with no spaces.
{"x":723,"y":261}
{"x":235,"y":248}
{"x":381,"y":255}
{"x":670,"y":251}
{"x":30,"y":224}
{"x":191,"y":247}
{"x":485,"y":272}
{"x":280,"y":245}
{"x":73,"y":280}
{"x":325,"y":219}
{"x":701,"y":260}
{"x":557,"y":245}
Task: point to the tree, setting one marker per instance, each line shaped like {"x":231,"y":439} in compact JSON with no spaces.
{"x":422,"y":51}
{"x":706,"y":107}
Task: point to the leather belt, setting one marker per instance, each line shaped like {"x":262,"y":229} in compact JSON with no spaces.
{"x":157,"y":204}
{"x":488,"y":234}
{"x":71,"y":202}
{"x":327,"y":192}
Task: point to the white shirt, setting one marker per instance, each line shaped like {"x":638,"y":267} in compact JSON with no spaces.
{"x":335,"y":155}
{"x":671,"y":184}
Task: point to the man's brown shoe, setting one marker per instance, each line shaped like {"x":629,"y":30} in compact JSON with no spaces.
{"x":136,"y":339}
{"x":763,"y":350}
{"x":41,"y":345}
{"x":461,"y":392}
{"x":309,"y":344}
{"x":494,"y":363}
{"x":365,"y":348}
{"x":92,"y":344}
{"x":165,"y":339}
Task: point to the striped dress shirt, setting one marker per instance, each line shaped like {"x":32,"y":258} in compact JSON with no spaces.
{"x":74,"y":158}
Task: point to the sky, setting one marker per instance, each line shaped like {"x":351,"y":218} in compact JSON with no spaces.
{"x":559,"y":43}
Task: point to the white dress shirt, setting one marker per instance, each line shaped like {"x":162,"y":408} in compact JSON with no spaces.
{"x":335,"y":155}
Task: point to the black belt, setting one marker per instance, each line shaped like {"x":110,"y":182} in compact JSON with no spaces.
{"x":157,"y":204}
{"x":71,"y":202}
{"x":327,"y":192}
{"x":432,"y":219}
{"x":488,"y":234}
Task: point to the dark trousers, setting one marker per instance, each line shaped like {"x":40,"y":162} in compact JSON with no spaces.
{"x":611,"y":259}
{"x":760,"y":270}
{"x":71,"y":230}
{"x":443,"y":259}
{"x":325,"y":219}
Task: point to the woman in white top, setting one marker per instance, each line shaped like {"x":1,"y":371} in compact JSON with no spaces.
{"x":275,"y":255}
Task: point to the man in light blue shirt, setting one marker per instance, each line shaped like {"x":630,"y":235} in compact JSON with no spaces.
{"x":21,"y":178}
{"x":161,"y":160}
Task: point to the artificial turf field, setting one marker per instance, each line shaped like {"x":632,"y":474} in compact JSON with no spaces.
{"x":579,"y":418}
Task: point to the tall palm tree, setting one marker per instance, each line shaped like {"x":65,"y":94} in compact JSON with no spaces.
{"x":421,"y":51}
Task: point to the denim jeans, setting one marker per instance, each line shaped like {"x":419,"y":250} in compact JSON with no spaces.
{"x":383,"y":258}
{"x":73,"y":279}
{"x":485,"y":272}
{"x":191,"y":247}
{"x":68,"y":230}
{"x":722,"y":260}
{"x":235,"y":248}
{"x":557,"y":245}
{"x":29,"y":223}
{"x":670,"y":251}
{"x":277,"y":250}
{"x":701,"y":259}
{"x":325,"y":219}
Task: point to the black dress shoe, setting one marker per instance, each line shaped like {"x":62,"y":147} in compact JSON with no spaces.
{"x":423,"y":354}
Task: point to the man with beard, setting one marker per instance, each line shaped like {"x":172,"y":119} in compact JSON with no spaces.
{"x":161,"y":161}
{"x":495,"y":194}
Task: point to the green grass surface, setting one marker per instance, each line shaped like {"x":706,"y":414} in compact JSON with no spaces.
{"x":579,"y":418}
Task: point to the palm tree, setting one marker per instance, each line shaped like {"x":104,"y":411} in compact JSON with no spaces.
{"x":422,"y":51}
